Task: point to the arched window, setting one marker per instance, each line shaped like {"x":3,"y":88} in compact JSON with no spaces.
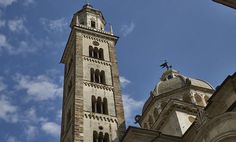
{"x":150,"y":120}
{"x":155,"y":113}
{"x":97,"y":76}
{"x":95,"y":136}
{"x":92,"y":75}
{"x":94,"y":102}
{"x":93,"y":24}
{"x":68,"y":115}
{"x":90,"y":51}
{"x":206,"y":98}
{"x":100,"y":137}
{"x":106,"y":137}
{"x":101,"y":55}
{"x":105,"y":106}
{"x":102,"y":77}
{"x":69,"y":86}
{"x":70,"y":63}
{"x":99,"y":105}
{"x":95,"y":52}
{"x":198,"y":99}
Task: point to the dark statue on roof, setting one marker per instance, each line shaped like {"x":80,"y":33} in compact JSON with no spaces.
{"x":166,"y":65}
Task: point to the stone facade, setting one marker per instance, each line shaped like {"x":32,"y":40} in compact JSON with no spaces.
{"x":92,"y":103}
{"x":230,"y":3}
{"x":212,"y":121}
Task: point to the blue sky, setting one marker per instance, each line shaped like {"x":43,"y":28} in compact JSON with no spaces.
{"x":196,"y":36}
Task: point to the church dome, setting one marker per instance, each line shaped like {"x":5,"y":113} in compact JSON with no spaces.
{"x":172,"y":80}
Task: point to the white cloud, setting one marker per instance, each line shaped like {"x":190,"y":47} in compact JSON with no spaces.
{"x":3,"y":86}
{"x":2,"y":23}
{"x":51,"y":128}
{"x":5,"y":3}
{"x":22,"y":48}
{"x":12,"y":139}
{"x":124,"y":82}
{"x":31,"y":132}
{"x":28,"y":2}
{"x":131,"y":107}
{"x":57,"y":25}
{"x":17,"y":25}
{"x":39,"y":88}
{"x":4,"y":43}
{"x":8,"y":112}
{"x":127,"y":29}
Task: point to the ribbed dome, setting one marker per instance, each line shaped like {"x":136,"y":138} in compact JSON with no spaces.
{"x":172,"y":80}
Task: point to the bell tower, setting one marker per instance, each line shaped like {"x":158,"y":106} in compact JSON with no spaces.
{"x":92,"y":108}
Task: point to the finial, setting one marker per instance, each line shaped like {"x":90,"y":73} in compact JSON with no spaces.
{"x":111,"y":29}
{"x":166,"y":65}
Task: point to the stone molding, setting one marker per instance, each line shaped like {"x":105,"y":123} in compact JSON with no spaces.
{"x":90,"y":59}
{"x":100,"y":117}
{"x":98,"y":86}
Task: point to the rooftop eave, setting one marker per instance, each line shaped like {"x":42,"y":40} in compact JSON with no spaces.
{"x":229,"y":3}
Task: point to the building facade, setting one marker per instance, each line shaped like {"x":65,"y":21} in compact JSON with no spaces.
{"x":183,"y":109}
{"x":230,"y":3}
{"x":92,"y":104}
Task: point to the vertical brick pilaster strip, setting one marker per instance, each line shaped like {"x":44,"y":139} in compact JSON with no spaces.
{"x":78,"y":98}
{"x":117,"y":91}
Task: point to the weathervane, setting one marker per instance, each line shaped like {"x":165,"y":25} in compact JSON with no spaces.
{"x":166,"y":65}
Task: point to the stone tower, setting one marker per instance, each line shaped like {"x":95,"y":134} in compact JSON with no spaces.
{"x":92,"y":103}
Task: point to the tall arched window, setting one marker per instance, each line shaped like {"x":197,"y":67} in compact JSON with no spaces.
{"x":101,"y":55}
{"x":95,"y":136}
{"x":105,"y":106}
{"x":69,"y":86}
{"x":95,"y":52}
{"x":106,"y":138}
{"x":92,"y":75}
{"x":198,"y":99}
{"x":94,"y":102}
{"x":102,"y":77}
{"x":99,"y":105}
{"x":90,"y":51}
{"x":155,"y":113}
{"x":97,"y":76}
{"x":100,"y":137}
{"x":150,"y":120}
{"x":68,"y":115}
{"x":206,"y":98}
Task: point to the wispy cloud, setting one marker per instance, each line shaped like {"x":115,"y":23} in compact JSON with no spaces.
{"x":51,"y":128}
{"x":131,"y":107}
{"x":56,"y":25}
{"x":3,"y":86}
{"x":39,"y":88}
{"x":4,"y":44}
{"x":28,"y":2}
{"x":2,"y":23}
{"x":5,"y":3}
{"x":23,"y":47}
{"x":12,"y":139}
{"x":17,"y":25}
{"x":126,"y":29}
{"x":124,"y":82}
{"x":8,"y":112}
{"x":31,"y":132}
